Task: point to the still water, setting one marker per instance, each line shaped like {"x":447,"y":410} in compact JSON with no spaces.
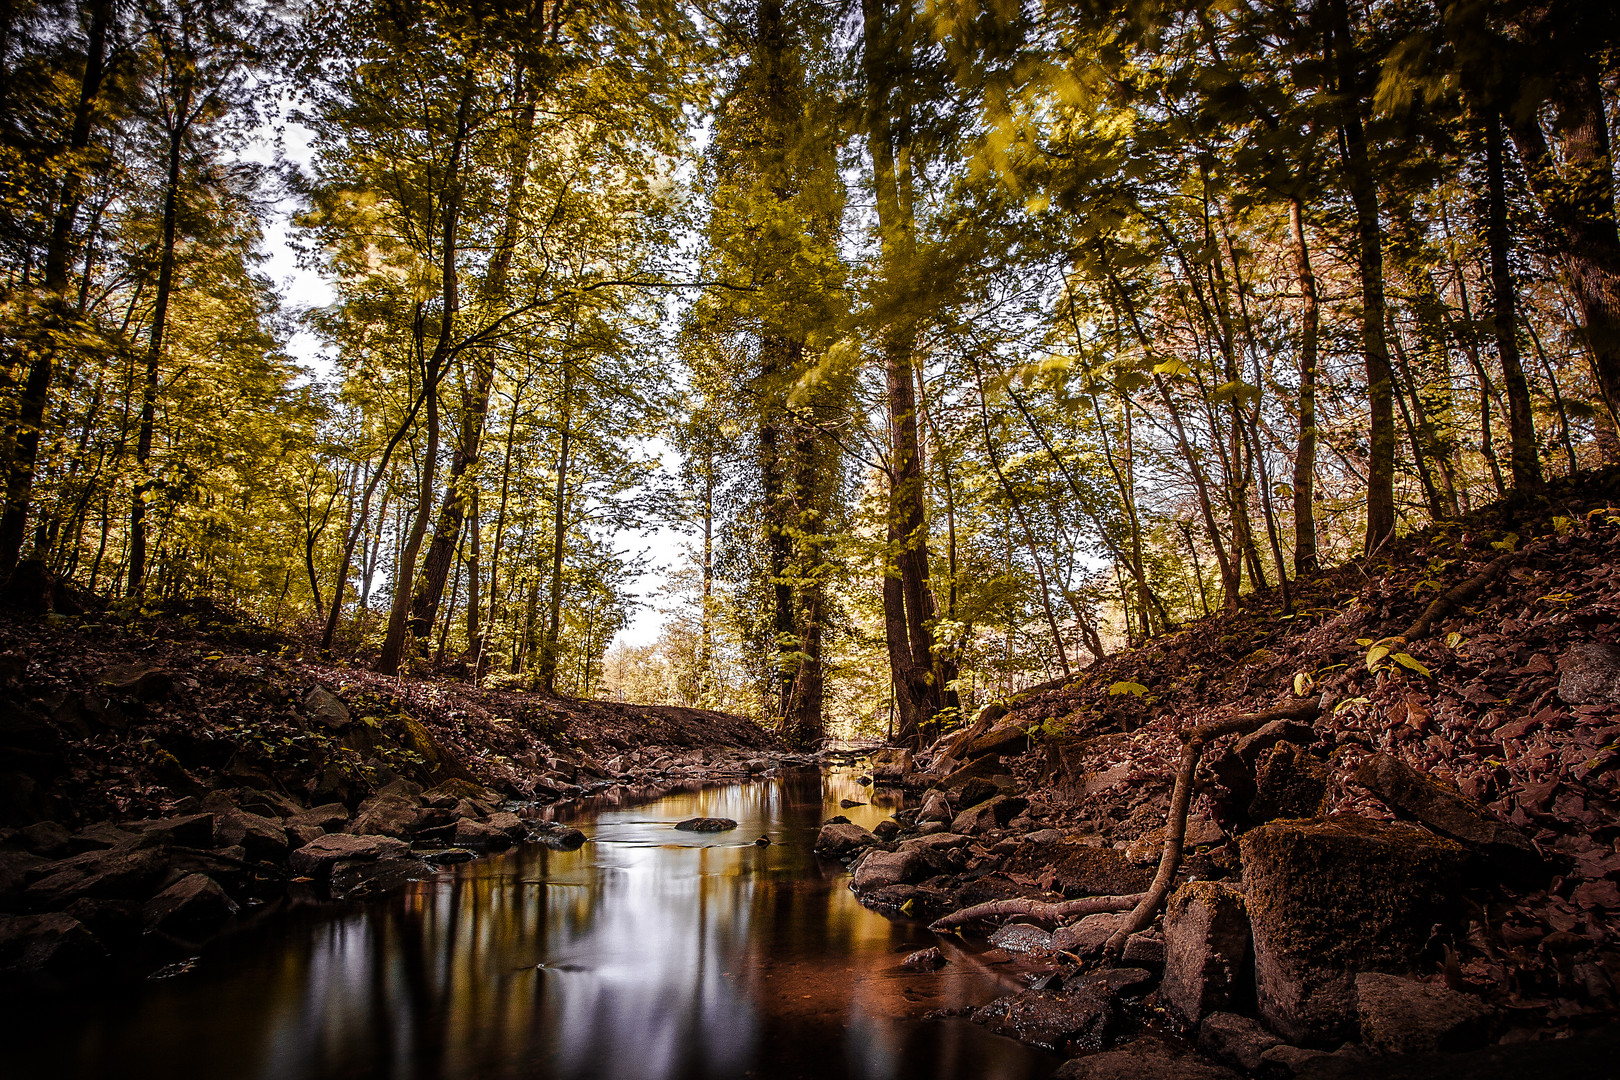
{"x":649,"y":954}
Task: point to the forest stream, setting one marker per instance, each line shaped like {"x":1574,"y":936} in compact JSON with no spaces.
{"x":648,"y":953}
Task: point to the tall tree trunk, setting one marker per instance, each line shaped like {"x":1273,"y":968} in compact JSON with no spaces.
{"x":31,"y":402}
{"x":1524,"y":459}
{"x":546,"y":672}
{"x":145,"y":484}
{"x":908,"y":604}
{"x":1305,"y":558}
{"x":393,"y":649}
{"x":1370,"y":267}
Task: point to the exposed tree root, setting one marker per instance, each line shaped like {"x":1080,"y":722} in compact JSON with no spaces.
{"x":1444,"y":603}
{"x":1175,"y":827}
{"x":1036,"y":909}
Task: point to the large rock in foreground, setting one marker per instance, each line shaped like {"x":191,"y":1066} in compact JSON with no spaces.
{"x":1329,"y":898}
{"x":1206,"y":939}
{"x":839,"y":839}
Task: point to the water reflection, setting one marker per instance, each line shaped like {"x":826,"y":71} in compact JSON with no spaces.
{"x":649,"y":954}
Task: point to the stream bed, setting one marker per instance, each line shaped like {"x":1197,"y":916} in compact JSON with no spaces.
{"x":648,"y":954}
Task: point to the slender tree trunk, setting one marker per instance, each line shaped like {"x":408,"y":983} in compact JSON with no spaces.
{"x":1305,"y":558}
{"x":474,"y":570}
{"x":1370,"y":267}
{"x":1525,"y":460}
{"x":144,"y":484}
{"x":547,"y":670}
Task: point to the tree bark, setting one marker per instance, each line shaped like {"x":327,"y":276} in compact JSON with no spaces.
{"x":1524,"y":459}
{"x":1305,"y":558}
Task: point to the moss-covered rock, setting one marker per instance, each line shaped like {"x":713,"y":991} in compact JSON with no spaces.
{"x":1328,"y":898}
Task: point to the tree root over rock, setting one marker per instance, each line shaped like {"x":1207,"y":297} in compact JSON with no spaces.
{"x":1175,"y":827}
{"x":1037,"y":909}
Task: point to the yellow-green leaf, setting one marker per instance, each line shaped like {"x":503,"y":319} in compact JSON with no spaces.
{"x":1376,"y":655}
{"x":1135,"y":689}
{"x":1406,"y":660}
{"x":1303,"y":684}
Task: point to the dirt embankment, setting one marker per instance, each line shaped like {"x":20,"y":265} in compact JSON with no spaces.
{"x":155,"y":778}
{"x":1423,"y":857}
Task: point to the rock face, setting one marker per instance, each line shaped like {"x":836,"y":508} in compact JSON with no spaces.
{"x":361,"y":879}
{"x":838,"y":839}
{"x":1237,"y":1040}
{"x":1206,"y":939}
{"x":891,"y":766}
{"x":113,"y":874}
{"x":1404,"y":1016}
{"x":1330,"y":898}
{"x":386,"y":815}
{"x":1589,"y":674}
{"x":1289,"y":782}
{"x":1447,"y":812}
{"x":707,"y":824}
{"x":935,"y":808}
{"x":1003,"y":739}
{"x":878,"y":869}
{"x":194,"y":904}
{"x":1081,"y":1020}
{"x":324,"y":708}
{"x":1140,"y":1060}
{"x":47,"y":943}
{"x":480,"y":836}
{"x":990,"y":814}
{"x":316,"y":858}
{"x":261,"y":837}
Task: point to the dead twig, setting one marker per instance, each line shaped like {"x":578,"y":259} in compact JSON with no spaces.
{"x":1175,"y":827}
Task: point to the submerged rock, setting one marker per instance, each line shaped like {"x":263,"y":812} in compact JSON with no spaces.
{"x":194,"y":904}
{"x":706,"y":824}
{"x":361,"y":879}
{"x":1079,"y":1020}
{"x":925,"y":960}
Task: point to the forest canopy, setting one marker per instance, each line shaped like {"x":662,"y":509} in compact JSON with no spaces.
{"x":964,"y":343}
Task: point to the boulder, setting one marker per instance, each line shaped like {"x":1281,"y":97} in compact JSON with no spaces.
{"x":45,"y":838}
{"x":706,"y":824}
{"x":886,"y":830}
{"x":991,"y":814}
{"x":194,"y":904}
{"x":1289,"y":782}
{"x":137,"y":680}
{"x":361,"y":879}
{"x":390,"y":814}
{"x":480,"y":836}
{"x":1446,"y":811}
{"x":924,"y":960}
{"x":1079,"y":1020}
{"x":975,"y":791}
{"x":1333,"y":897}
{"x":54,"y":943}
{"x":325,"y":709}
{"x":564,"y":839}
{"x":1088,"y":935}
{"x":1206,"y":940}
{"x":935,"y":807}
{"x":509,"y":823}
{"x":1405,"y":1016}
{"x":988,"y":768}
{"x":1021,"y":938}
{"x":1237,"y":1040}
{"x":839,"y":839}
{"x":316,"y":858}
{"x":878,"y":869}
{"x":299,"y":835}
{"x":1008,"y":738}
{"x":189,"y":830}
{"x":1143,"y":950}
{"x":259,"y":836}
{"x":1589,"y":674}
{"x":16,"y":869}
{"x":127,"y":873}
{"x":1141,"y":1059}
{"x":892,"y":765}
